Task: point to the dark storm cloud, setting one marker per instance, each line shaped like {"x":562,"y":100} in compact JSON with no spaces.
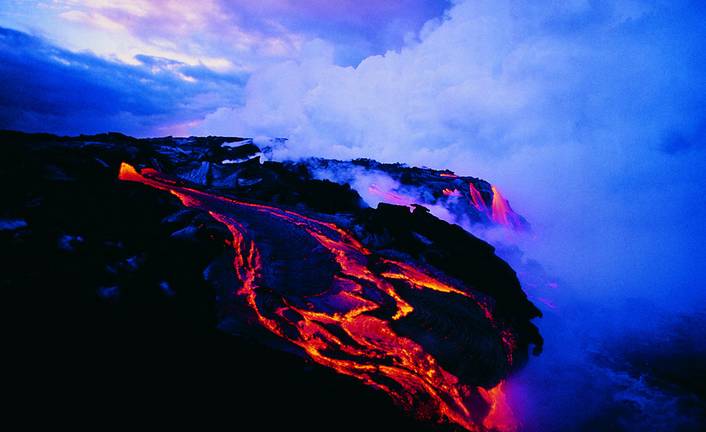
{"x":47,"y":88}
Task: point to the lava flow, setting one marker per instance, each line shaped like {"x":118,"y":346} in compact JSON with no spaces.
{"x":346,"y":325}
{"x":499,"y":211}
{"x":477,"y":198}
{"x":502,"y":213}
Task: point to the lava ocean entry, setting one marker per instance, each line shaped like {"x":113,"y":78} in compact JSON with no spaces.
{"x":344,"y":316}
{"x":464,"y":199}
{"x":441,"y":216}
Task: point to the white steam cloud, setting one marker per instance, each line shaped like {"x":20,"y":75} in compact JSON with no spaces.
{"x":590,"y":115}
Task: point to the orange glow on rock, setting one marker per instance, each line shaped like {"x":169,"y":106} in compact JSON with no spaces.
{"x":451,"y":192}
{"x":448,"y":174}
{"x":344,"y":335}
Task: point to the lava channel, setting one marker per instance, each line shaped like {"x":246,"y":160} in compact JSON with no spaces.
{"x":346,"y":326}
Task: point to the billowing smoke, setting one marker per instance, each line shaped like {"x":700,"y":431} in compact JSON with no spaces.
{"x":376,"y":186}
{"x":591,"y":115}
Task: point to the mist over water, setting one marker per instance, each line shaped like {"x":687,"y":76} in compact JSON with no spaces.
{"x":591,"y":117}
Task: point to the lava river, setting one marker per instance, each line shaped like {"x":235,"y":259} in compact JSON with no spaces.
{"x":341,"y":315}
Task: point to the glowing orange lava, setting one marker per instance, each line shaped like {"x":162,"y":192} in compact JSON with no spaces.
{"x":343,"y":334}
{"x":500,"y":416}
{"x":476,"y":198}
{"x":451,"y":192}
{"x":502,"y":213}
{"x":448,"y":174}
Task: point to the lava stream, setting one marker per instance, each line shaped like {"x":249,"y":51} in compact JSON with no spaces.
{"x":476,"y":198}
{"x":336,"y":328}
{"x":502,"y":213}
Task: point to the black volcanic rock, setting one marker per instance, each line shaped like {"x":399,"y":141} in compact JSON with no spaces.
{"x":135,"y":288}
{"x":462,"y":256}
{"x":451,"y":249}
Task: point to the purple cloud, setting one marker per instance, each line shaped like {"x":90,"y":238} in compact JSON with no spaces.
{"x":50,"y":89}
{"x":246,"y":31}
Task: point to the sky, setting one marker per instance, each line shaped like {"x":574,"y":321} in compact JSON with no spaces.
{"x":160,"y":67}
{"x":589,"y":114}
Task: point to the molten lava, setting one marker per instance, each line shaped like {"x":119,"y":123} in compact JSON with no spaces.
{"x":348,"y":326}
{"x":451,"y":192}
{"x":448,"y":174}
{"x":499,"y":212}
{"x":502,"y":213}
{"x":500,"y":416}
{"x":477,"y":198}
